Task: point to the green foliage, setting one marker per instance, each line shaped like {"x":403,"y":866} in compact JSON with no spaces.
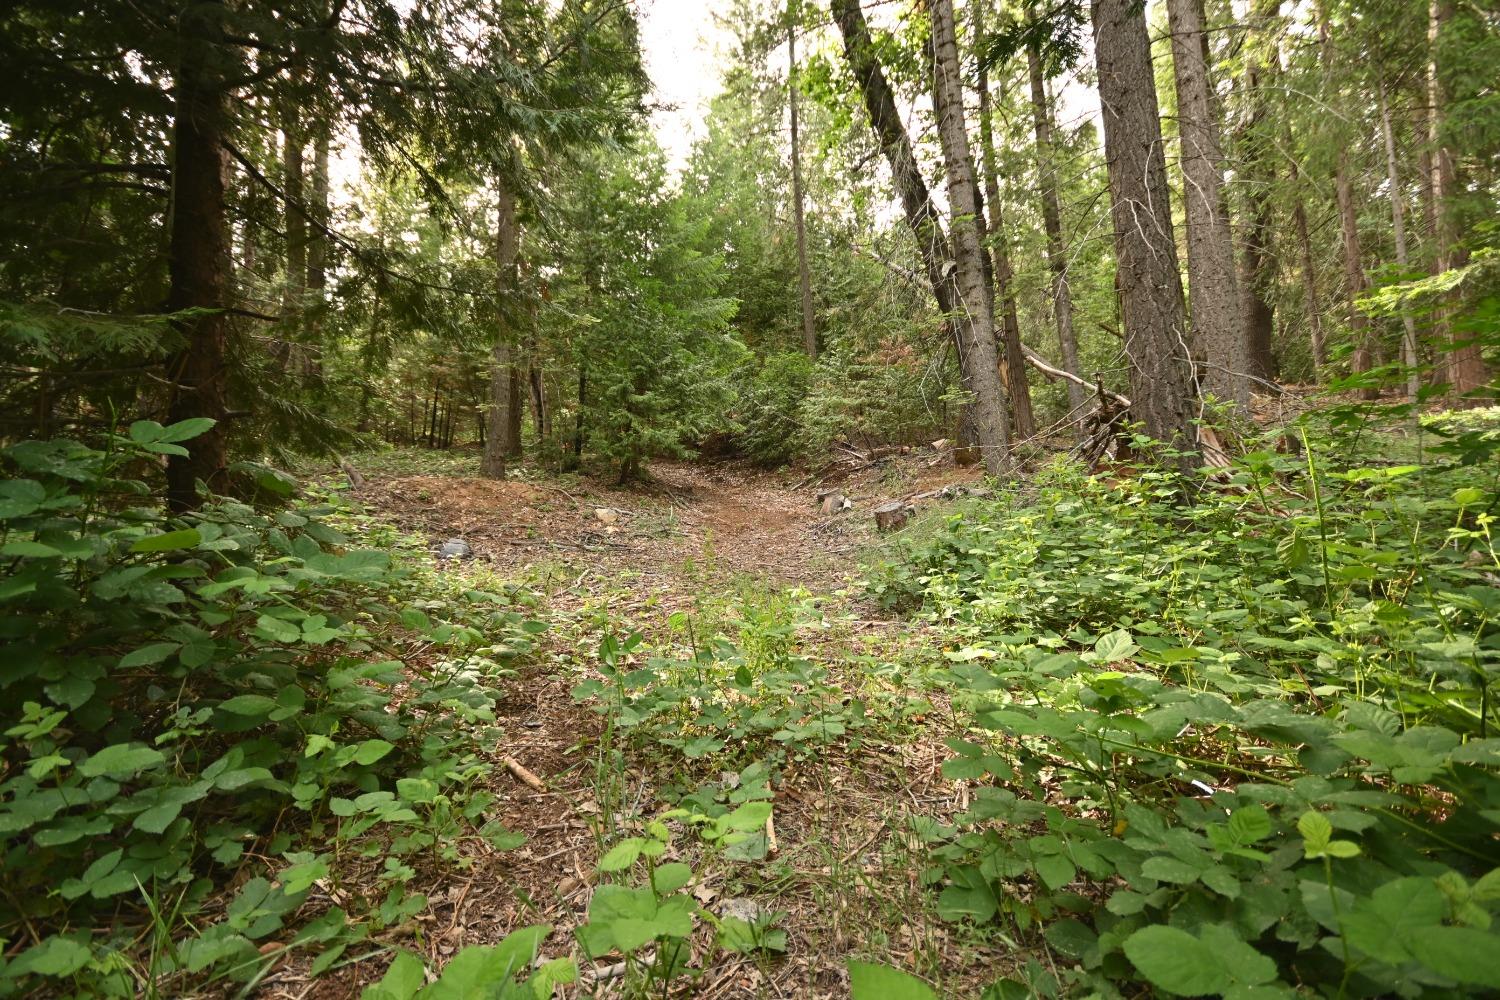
{"x":747,"y":703}
{"x":1258,"y":727}
{"x":769,"y":408}
{"x":639,"y":303}
{"x":506,"y":971}
{"x":868,"y":981}
{"x":188,"y":694}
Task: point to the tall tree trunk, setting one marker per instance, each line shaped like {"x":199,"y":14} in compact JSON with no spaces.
{"x":317,"y":245}
{"x":1013,"y":359}
{"x":199,"y":259}
{"x":293,"y":171}
{"x":1257,"y":278}
{"x":799,"y":208}
{"x":1464,"y":369}
{"x":975,"y":293}
{"x":916,"y":202}
{"x":1312,"y":301}
{"x":1213,"y":290}
{"x":578,"y":419}
{"x":538,"y":402}
{"x":497,"y":445}
{"x":885,"y":120}
{"x":1057,"y":259}
{"x":1163,"y":396}
{"x":1421,"y":127}
{"x":515,"y":414}
{"x":1363,"y":357}
{"x":1409,"y":356}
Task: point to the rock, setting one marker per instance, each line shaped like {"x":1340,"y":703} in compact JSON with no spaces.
{"x":743,"y":908}
{"x":940,"y":444}
{"x":892,"y":516}
{"x":606,"y":515}
{"x":455,"y":548}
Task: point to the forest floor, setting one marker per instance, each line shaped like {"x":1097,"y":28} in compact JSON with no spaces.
{"x":742,"y":554}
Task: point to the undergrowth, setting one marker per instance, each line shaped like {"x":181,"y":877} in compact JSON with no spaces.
{"x":211,"y":719}
{"x":1242,"y":748}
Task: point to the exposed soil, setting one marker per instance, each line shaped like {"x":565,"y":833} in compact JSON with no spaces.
{"x":846,"y":870}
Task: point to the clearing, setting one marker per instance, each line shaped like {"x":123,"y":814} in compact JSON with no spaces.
{"x":748,"y":555}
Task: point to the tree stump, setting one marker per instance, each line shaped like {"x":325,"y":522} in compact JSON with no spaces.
{"x":891,"y":517}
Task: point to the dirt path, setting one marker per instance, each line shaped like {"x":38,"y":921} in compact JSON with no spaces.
{"x":845,"y":872}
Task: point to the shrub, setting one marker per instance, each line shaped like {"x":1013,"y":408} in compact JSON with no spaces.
{"x":185,"y":696}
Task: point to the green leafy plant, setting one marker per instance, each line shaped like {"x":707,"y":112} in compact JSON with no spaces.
{"x":505,"y":971}
{"x":1264,"y":742}
{"x":185,"y":692}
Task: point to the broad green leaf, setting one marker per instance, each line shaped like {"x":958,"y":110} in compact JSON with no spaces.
{"x":19,"y":497}
{"x":249,"y":705}
{"x":1113,"y":647}
{"x":185,"y":430}
{"x":1250,"y":823}
{"x":1315,"y":830}
{"x":670,"y":877}
{"x":868,"y":981}
{"x":146,"y":431}
{"x":1381,"y":925}
{"x":371,"y":751}
{"x":146,"y":655}
{"x":1462,"y":953}
{"x":30,"y":550}
{"x":747,"y":818}
{"x":120,"y":760}
{"x":168,"y":541}
{"x":622,"y":855}
{"x":56,"y":956}
{"x":157,"y":819}
{"x":1166,"y":869}
{"x":1175,"y":961}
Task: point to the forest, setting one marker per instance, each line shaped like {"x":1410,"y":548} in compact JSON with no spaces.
{"x":990,"y":498}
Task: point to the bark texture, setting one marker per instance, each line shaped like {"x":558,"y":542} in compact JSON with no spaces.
{"x":1057,"y":256}
{"x":1213,"y":290}
{"x":293,"y":175}
{"x":1398,"y":231}
{"x":1464,"y":368}
{"x":1162,"y":391}
{"x":1362,"y":359}
{"x":799,"y":205}
{"x":1013,"y":359}
{"x":317,"y":207}
{"x":916,"y":202}
{"x":975,"y":294}
{"x":1257,"y":278}
{"x":498,"y":445}
{"x":199,"y":259}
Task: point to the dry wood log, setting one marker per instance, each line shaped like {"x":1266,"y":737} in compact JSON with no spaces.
{"x":523,"y":775}
{"x":348,"y":469}
{"x":832,"y":501}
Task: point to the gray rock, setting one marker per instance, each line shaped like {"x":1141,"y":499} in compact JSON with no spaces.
{"x":743,"y":908}
{"x":455,"y":548}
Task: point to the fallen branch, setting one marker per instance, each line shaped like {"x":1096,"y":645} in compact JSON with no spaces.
{"x":1054,"y":373}
{"x":347,"y":467}
{"x":523,"y":775}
